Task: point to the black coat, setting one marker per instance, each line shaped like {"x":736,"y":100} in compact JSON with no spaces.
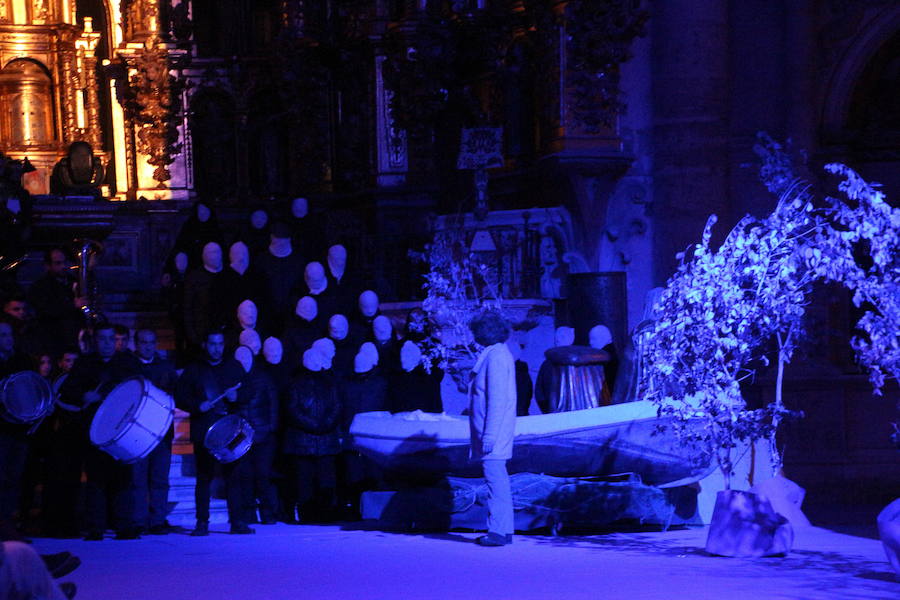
{"x":198,"y":287}
{"x":312,"y":415}
{"x":363,"y":392}
{"x":231,"y":288}
{"x":58,"y":320}
{"x":258,"y":401}
{"x":298,"y":337}
{"x":200,"y":382}
{"x":416,"y":390}
{"x":284,"y":277}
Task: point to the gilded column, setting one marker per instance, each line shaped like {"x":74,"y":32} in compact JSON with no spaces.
{"x":69,"y":81}
{"x":87,"y":46}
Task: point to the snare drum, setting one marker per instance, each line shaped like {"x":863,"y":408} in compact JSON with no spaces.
{"x":25,"y":397}
{"x":229,"y":438}
{"x":133,"y":418}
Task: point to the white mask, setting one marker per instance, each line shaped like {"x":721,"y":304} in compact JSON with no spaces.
{"x":366,"y":358}
{"x":337,"y":260}
{"x":338,"y":327}
{"x":247,"y":314}
{"x":410,"y":356}
{"x":239,"y":257}
{"x":565,"y":336}
{"x":280,"y":247}
{"x":250,"y":338}
{"x":306,"y":308}
{"x":212,"y":257}
{"x":599,"y":337}
{"x":313,"y":360}
{"x":299,"y":207}
{"x":325,"y":347}
{"x":181,"y":262}
{"x":203,"y":213}
{"x":244,"y":355}
{"x":272,"y":350}
{"x":382,"y":328}
{"x":368,"y":303}
{"x":259,"y":219}
{"x":314,"y":275}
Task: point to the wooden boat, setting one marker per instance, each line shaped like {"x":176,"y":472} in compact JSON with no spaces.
{"x":609,"y":440}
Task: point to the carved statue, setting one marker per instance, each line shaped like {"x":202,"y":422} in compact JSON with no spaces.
{"x":79,"y":173}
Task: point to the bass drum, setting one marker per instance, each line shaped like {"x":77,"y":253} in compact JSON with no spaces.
{"x":133,"y":418}
{"x":229,"y":438}
{"x":25,"y":397}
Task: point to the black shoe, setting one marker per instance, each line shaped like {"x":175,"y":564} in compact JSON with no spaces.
{"x":61,"y":564}
{"x":242,"y":529}
{"x":202,"y":529}
{"x":68,"y":589}
{"x":494,"y":539}
{"x":94,"y":536}
{"x":129,"y":533}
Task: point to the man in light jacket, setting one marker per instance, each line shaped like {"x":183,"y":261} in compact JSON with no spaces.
{"x":492,"y":421}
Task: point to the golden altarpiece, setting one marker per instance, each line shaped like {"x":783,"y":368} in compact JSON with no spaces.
{"x":58,"y":87}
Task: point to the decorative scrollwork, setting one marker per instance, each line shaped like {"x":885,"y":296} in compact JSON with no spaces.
{"x":151,"y":99}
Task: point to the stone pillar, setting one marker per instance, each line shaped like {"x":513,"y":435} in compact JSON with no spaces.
{"x":690,"y":125}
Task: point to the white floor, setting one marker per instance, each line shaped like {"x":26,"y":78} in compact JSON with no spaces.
{"x":285,"y":562}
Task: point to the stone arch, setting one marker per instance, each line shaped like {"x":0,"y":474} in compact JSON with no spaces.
{"x":850,"y":67}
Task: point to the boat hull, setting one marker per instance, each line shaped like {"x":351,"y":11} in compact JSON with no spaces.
{"x":624,"y":438}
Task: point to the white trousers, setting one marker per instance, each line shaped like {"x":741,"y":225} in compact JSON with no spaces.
{"x":499,"y":501}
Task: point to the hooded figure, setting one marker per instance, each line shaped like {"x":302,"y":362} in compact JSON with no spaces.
{"x":247,"y":314}
{"x":304,"y":328}
{"x":311,"y":437}
{"x":367,"y":311}
{"x":344,"y":285}
{"x":240,"y":281}
{"x":600,"y":338}
{"x":545,"y":382}
{"x":256,"y":235}
{"x":363,"y":390}
{"x":173,"y":280}
{"x":272,"y":350}
{"x":197,"y":294}
{"x":345,"y":346}
{"x":319,"y":287}
{"x":201,"y":227}
{"x":411,"y":386}
{"x":325,"y":347}
{"x":258,"y":403}
{"x":283,"y":268}
{"x":385,"y":343}
{"x":250,"y":338}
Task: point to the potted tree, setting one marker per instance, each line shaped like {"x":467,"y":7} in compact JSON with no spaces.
{"x":722,"y":308}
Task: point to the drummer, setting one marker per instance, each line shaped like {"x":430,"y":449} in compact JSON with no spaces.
{"x":13,"y":438}
{"x":202,"y":390}
{"x":161,"y":373}
{"x":92,"y":377}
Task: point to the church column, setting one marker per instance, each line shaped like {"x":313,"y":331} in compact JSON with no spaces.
{"x":87,"y":46}
{"x":690,"y":124}
{"x":69,"y":84}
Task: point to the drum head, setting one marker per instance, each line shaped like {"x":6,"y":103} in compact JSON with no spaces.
{"x":116,"y":410}
{"x":26,"y":396}
{"x":223,"y":431}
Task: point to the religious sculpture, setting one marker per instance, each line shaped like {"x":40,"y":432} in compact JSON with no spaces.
{"x":79,"y":173}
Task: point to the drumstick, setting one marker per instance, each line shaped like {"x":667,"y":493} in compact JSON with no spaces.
{"x":223,"y":394}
